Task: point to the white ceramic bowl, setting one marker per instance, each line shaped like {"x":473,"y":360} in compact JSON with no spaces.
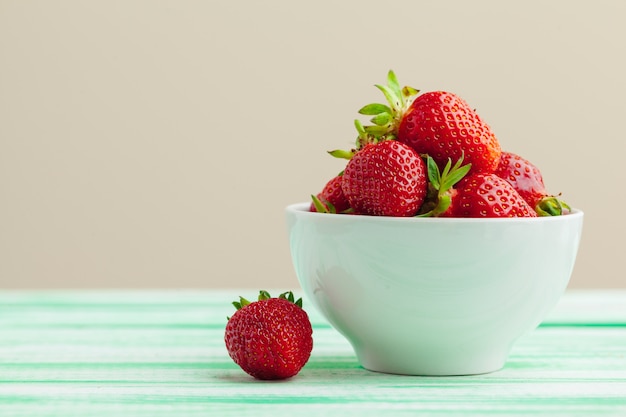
{"x":432,"y":296}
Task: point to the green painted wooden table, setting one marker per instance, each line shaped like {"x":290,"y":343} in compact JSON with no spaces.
{"x":154,"y":353}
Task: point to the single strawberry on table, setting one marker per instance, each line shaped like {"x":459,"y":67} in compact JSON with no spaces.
{"x":526,"y":178}
{"x":270,"y":338}
{"x":437,"y":123}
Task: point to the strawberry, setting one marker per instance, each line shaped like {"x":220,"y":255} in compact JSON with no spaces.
{"x":331,"y":199}
{"x":487,"y":195}
{"x":437,"y":123}
{"x":270,"y":338}
{"x":526,"y":178}
{"x":385,"y":179}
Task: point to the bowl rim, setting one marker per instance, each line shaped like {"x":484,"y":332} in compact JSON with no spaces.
{"x":302,"y":209}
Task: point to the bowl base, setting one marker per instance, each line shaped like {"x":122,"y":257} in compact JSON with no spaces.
{"x":428,"y":366}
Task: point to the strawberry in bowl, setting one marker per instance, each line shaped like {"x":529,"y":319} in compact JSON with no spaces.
{"x":386,"y":178}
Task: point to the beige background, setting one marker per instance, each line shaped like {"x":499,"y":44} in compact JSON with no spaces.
{"x":156,"y":143}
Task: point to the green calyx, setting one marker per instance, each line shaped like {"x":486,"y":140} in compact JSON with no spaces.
{"x":386,"y":117}
{"x":551,"y":206}
{"x":326,"y":207}
{"x":438,"y":197}
{"x":362,"y":139}
{"x":264,"y":295}
{"x":289,"y":297}
{"x":342,"y":154}
{"x":241,"y":303}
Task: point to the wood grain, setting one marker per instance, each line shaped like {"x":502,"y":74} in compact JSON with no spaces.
{"x":156,"y":353}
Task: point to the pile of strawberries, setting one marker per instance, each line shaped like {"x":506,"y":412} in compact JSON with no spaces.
{"x":431,"y":155}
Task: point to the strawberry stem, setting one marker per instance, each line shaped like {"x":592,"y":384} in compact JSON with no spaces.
{"x":552,"y":206}
{"x":438,"y":198}
{"x":387,"y":117}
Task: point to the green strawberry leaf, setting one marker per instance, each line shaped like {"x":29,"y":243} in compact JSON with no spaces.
{"x":364,"y":137}
{"x":359,"y":127}
{"x":374,"y":109}
{"x":446,"y":168}
{"x":289,"y":297}
{"x":377,"y":130}
{"x":440,"y":183}
{"x":433,"y":173}
{"x":341,"y":154}
{"x":409,"y":92}
{"x":319,"y":206}
{"x":394,"y":100}
{"x":382,"y":119}
{"x":455,"y":174}
{"x":241,"y":303}
{"x":394,"y":86}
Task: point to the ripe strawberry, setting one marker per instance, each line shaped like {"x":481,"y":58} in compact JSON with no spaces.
{"x":385,"y":179}
{"x":487,"y":195}
{"x":437,"y":123}
{"x":270,"y":338}
{"x":331,"y":199}
{"x":526,"y":178}
{"x":444,"y":126}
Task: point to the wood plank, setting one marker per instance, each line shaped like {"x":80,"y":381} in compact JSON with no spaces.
{"x":162,"y":353}
{"x":602,"y":307}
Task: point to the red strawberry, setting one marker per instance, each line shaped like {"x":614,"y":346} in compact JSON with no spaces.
{"x":270,"y":338}
{"x":444,"y":126}
{"x":331,"y":199}
{"x":526,"y":178}
{"x":487,"y":195}
{"x":438,"y":123}
{"x":385,"y":179}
